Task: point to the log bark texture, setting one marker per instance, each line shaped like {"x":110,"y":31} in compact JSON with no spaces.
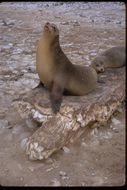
{"x":76,"y":113}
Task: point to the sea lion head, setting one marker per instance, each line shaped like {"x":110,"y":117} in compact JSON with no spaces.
{"x":51,"y":31}
{"x":98,"y":64}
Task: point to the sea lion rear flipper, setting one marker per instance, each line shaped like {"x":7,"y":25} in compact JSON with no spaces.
{"x":56,"y":97}
{"x":100,"y":80}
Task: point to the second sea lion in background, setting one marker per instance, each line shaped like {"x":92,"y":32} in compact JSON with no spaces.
{"x":57,"y":72}
{"x":111,"y":58}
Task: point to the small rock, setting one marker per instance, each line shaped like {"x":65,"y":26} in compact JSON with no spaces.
{"x":108,"y":20}
{"x":106,"y":135}
{"x":83,"y":144}
{"x":3,"y":123}
{"x":15,"y":72}
{"x":96,"y":131}
{"x":92,"y":132}
{"x":65,"y":177}
{"x":55,"y":182}
{"x":49,"y":169}
{"x":111,"y":127}
{"x":118,"y":22}
{"x":105,"y":178}
{"x":81,"y":15}
{"x":31,"y":169}
{"x":75,"y":23}
{"x":93,"y":54}
{"x":120,"y":110}
{"x":62,"y":173}
{"x":7,"y":23}
{"x":18,"y":50}
{"x":115,"y":121}
{"x":21,"y":178}
{"x":4,"y":23}
{"x":49,"y":161}
{"x":82,"y":184}
{"x":93,"y":174}
{"x":66,"y":150}
{"x":6,"y":170}
{"x":24,"y":71}
{"x":65,"y":23}
{"x":31,"y":124}
{"x":114,"y":129}
{"x":23,"y":143}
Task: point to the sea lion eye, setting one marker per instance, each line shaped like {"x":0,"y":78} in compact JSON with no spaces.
{"x":54,"y":28}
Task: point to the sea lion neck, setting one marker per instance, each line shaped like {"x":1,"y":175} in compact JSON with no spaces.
{"x":55,"y":45}
{"x":55,"y":42}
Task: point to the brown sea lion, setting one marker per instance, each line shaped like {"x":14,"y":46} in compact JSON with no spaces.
{"x":111,"y":58}
{"x":56,"y":71}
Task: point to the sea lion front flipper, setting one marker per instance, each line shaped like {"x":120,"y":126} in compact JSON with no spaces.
{"x":56,"y":97}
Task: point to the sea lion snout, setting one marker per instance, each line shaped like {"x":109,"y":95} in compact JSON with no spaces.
{"x":100,"y":70}
{"x":51,"y":29}
{"x":46,"y":26}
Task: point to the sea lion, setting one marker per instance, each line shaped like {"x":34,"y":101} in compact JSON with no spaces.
{"x":111,"y":58}
{"x":56,"y":71}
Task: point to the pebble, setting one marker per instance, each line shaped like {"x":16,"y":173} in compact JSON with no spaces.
{"x":118,"y":22}
{"x":93,"y":54}
{"x":15,"y":72}
{"x":82,"y":184}
{"x":3,"y":123}
{"x":105,"y":178}
{"x":108,"y":135}
{"x":49,"y":169}
{"x":55,"y":182}
{"x":83,"y":144}
{"x":65,"y":177}
{"x":31,"y":169}
{"x":115,"y":121}
{"x":66,"y":150}
{"x":62,"y":173}
{"x":21,"y":178}
{"x":49,"y":161}
{"x":120,"y":110}
{"x":114,"y":129}
{"x":23,"y":143}
{"x":93,"y":174}
{"x":65,"y":23}
{"x":24,"y":71}
{"x":95,"y":131}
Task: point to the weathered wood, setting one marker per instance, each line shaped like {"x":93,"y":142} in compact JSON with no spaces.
{"x":75,"y":114}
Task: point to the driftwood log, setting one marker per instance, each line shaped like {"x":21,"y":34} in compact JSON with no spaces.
{"x":76,"y":113}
